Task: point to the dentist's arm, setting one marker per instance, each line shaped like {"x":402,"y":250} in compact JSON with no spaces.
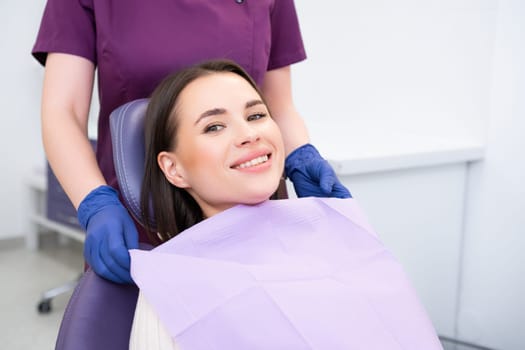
{"x":66,"y":97}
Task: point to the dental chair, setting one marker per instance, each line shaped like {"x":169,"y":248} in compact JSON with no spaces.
{"x":100,"y":313}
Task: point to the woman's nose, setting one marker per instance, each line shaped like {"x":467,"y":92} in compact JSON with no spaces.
{"x":246,"y":134}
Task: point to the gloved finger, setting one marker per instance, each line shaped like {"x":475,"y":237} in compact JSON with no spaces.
{"x":304,"y":186}
{"x":88,"y":249}
{"x":95,"y":261}
{"x":340,"y":191}
{"x":116,"y":246}
{"x":111,"y":265}
{"x":327,"y":177}
{"x":91,"y":254}
{"x":131,"y":235}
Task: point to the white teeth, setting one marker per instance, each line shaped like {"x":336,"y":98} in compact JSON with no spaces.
{"x":253,"y":162}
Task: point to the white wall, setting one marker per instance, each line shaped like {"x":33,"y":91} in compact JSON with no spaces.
{"x":416,"y":66}
{"x":20,"y":89}
{"x":492,"y":308}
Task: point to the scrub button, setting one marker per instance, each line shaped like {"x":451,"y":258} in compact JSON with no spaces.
{"x":239,"y":1}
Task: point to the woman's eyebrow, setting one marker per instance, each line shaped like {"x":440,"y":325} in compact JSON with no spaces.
{"x":253,"y":103}
{"x":210,"y":113}
{"x":218,"y":111}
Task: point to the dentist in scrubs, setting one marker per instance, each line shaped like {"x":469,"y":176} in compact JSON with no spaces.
{"x":131,"y":46}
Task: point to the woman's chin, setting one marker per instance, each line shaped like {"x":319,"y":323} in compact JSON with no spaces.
{"x":259,"y":197}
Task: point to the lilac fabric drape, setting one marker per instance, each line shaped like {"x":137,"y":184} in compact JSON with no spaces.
{"x":304,"y":273}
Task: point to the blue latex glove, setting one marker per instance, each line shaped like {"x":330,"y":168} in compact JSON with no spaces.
{"x":312,"y":176}
{"x":110,"y":232}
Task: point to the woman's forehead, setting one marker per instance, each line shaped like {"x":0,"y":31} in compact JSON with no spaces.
{"x":222,"y":90}
{"x":221,"y":86}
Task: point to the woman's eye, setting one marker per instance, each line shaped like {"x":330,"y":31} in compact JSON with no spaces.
{"x":213,"y":128}
{"x":256,"y":116}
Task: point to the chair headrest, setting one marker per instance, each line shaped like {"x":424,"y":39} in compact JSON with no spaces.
{"x":127,"y":138}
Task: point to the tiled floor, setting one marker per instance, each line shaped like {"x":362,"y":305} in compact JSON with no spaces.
{"x":24,"y":276}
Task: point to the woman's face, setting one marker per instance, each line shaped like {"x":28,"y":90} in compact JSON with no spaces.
{"x":229,"y":150}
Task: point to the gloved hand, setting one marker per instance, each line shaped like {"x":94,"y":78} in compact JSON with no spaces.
{"x":110,"y":232}
{"x":312,"y":176}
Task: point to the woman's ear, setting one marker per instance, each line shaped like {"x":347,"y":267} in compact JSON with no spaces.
{"x":172,"y":170}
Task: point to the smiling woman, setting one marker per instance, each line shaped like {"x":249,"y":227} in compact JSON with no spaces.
{"x":211,"y":144}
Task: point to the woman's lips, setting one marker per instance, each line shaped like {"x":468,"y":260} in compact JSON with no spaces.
{"x":256,"y":161}
{"x":251,"y":160}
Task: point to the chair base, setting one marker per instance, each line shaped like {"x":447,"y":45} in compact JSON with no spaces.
{"x":44,"y":306}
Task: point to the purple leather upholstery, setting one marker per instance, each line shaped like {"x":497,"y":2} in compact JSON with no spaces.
{"x":100,"y":313}
{"x":98,"y":316}
{"x":127,"y":138}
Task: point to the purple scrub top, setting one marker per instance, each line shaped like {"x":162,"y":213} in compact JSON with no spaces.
{"x":136,"y":43}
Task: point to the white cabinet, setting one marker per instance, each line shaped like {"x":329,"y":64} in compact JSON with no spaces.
{"x":37,"y":187}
